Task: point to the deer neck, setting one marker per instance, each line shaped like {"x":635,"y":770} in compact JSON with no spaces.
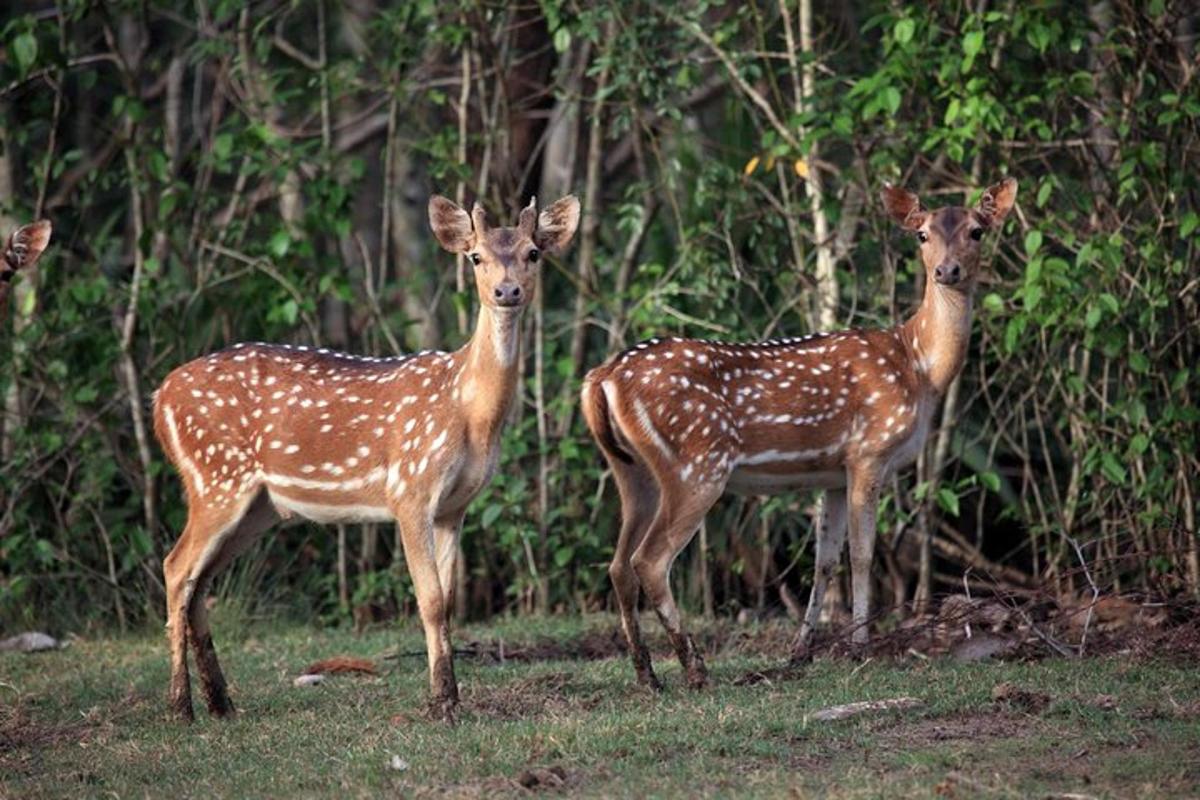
{"x":489,"y":371}
{"x":939,"y":333}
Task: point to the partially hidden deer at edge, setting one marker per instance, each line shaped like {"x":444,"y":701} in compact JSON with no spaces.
{"x":262,"y":432}
{"x":681,"y":422}
{"x":24,"y":248}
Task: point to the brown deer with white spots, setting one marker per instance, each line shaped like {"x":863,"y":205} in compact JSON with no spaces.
{"x":681,"y":422}
{"x":262,"y":432}
{"x":24,"y":248}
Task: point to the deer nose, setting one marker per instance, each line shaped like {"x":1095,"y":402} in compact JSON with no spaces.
{"x":507,"y":294}
{"x":947,"y":274}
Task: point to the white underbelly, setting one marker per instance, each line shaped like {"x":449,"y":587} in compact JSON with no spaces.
{"x":329,"y":512}
{"x":744,"y":481}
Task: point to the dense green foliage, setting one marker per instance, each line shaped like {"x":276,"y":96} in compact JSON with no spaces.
{"x":224,"y":171}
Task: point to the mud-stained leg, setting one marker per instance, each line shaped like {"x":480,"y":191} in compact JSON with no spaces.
{"x":175,"y":578}
{"x":639,"y":504}
{"x":865,"y":480}
{"x":417,"y":536}
{"x":830,"y":538}
{"x":679,"y":515}
{"x":259,"y":517}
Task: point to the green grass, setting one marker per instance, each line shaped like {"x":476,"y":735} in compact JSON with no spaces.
{"x":91,"y":720}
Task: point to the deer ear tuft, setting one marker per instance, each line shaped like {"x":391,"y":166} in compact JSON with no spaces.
{"x":557,"y":223}
{"x":903,"y":207}
{"x":450,"y":225}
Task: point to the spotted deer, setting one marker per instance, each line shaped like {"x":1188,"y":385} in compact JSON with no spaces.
{"x":264,"y":432}
{"x":682,"y":421}
{"x":24,"y":248}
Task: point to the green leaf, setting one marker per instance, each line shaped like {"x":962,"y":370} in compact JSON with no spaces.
{"x":1139,"y":363}
{"x":904,"y":30}
{"x":222,"y":145}
{"x":990,"y":481}
{"x":948,"y":499}
{"x":1110,"y":303}
{"x":1111,"y":468}
{"x":490,"y":515}
{"x":1188,"y":224}
{"x":25,"y":50}
{"x":279,"y":244}
{"x":1139,"y":444}
{"x":86,"y":394}
{"x":562,"y":39}
{"x":563,"y":556}
{"x":993,"y":302}
{"x":972,"y":44}
{"x":1033,"y":242}
{"x":952,"y":111}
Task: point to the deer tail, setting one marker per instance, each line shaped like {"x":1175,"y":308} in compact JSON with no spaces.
{"x":599,"y":419}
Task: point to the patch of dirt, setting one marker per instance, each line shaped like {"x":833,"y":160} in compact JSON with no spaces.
{"x":1009,"y":695}
{"x":957,"y":727}
{"x":22,"y":739}
{"x":534,"y":779}
{"x":539,"y":695}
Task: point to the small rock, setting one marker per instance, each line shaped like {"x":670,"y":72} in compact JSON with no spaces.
{"x":397,"y":764}
{"x":309,"y":680}
{"x":981,"y":647}
{"x":31,"y":642}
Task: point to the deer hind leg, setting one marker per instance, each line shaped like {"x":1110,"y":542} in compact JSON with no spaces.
{"x":258,"y":517}
{"x":417,"y":536}
{"x":830,"y":538}
{"x":680,"y":512}
{"x":639,"y":502}
{"x":864,"y":481}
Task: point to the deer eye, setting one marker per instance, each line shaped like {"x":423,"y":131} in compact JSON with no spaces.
{"x":922,"y":237}
{"x":977,"y":233}
{"x":533,"y":256}
{"x":475,"y":258}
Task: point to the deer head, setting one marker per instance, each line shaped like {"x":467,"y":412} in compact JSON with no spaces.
{"x":506,"y":260}
{"x":950,"y":236}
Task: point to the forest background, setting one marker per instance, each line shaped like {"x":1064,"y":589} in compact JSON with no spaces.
{"x":220,"y":171}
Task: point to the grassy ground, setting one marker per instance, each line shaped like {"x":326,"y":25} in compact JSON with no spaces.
{"x":91,"y":721}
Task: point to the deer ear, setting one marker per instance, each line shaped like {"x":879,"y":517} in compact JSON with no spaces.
{"x":997,"y":201}
{"x":451,"y":225}
{"x":557,"y":223}
{"x":26,"y":244}
{"x":903,"y":207}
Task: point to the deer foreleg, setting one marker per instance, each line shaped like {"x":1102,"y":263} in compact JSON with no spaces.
{"x":418,"y":538}
{"x":864,"y":484}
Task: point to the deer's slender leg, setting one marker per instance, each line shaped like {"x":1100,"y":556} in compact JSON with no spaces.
{"x":175,"y":575}
{"x":417,"y":536}
{"x":446,"y":534}
{"x":259,"y":516}
{"x":207,"y":525}
{"x":680,"y":512}
{"x":865,"y":480}
{"x":639,"y":502}
{"x":830,"y":538}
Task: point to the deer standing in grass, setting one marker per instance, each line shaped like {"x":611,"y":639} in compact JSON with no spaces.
{"x":681,"y":422}
{"x":262,"y":432}
{"x":24,"y":247}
